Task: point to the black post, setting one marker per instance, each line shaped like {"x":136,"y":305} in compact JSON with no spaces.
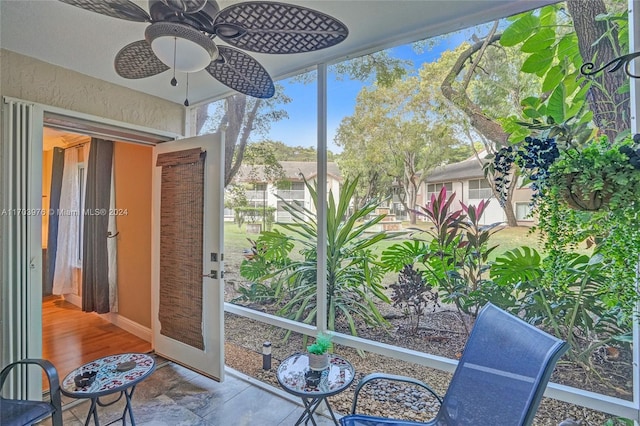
{"x":266,"y":356}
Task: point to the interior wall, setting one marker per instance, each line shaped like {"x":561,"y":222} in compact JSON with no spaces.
{"x":133,"y":180}
{"x":33,"y":80}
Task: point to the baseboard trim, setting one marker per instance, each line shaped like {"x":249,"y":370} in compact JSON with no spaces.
{"x":127,"y":325}
{"x":74,"y":299}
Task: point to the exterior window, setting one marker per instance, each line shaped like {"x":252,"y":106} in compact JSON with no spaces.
{"x":258,"y":195}
{"x":479,"y":189}
{"x":434,"y":188}
{"x":523,"y":211}
{"x":283,"y":215}
{"x":292,"y":191}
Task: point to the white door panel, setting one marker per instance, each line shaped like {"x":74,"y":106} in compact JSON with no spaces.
{"x":210,"y":360}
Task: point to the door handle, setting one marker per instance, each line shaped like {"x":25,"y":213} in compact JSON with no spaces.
{"x":213,"y":274}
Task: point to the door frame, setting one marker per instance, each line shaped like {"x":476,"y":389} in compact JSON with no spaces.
{"x":32,"y":321}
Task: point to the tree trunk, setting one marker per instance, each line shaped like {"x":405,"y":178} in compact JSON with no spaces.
{"x":486,"y":126}
{"x":610,"y":108}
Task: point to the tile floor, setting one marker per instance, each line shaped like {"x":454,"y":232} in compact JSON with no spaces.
{"x":176,"y":396}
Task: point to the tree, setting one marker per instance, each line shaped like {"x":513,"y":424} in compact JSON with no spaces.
{"x":599,"y":40}
{"x":485,"y":84}
{"x":598,"y":33}
{"x":387,"y":138}
{"x":240,"y":116}
{"x":282,"y":152}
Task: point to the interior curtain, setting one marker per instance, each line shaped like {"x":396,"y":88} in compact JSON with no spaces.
{"x":68,"y":254}
{"x":112,"y":248}
{"x":54,"y":206}
{"x":95,"y":259}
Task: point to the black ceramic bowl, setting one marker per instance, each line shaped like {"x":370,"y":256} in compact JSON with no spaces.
{"x":85,"y":379}
{"x":312,"y":378}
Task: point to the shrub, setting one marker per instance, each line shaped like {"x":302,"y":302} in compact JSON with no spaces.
{"x":353,"y":272}
{"x":413,"y":294}
{"x":455,"y":260}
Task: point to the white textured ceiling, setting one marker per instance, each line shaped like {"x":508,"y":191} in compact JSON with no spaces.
{"x":87,"y":42}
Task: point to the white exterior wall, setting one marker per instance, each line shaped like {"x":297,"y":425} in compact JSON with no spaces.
{"x":493,"y":213}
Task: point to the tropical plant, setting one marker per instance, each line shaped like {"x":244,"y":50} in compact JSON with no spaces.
{"x":413,"y":294}
{"x":563,"y":294}
{"x":557,"y":44}
{"x":353,"y":273}
{"x":455,"y":259}
{"x":322,"y":345}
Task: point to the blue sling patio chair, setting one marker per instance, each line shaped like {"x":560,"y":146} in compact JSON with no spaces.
{"x":22,"y":412}
{"x":499,"y":380}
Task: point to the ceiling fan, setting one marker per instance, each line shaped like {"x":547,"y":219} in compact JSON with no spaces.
{"x":181,"y":37}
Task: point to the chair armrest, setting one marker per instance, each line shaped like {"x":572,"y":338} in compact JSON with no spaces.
{"x":49,"y":369}
{"x":390,"y":377}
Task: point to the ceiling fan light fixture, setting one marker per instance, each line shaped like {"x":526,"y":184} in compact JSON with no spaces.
{"x":180,"y":46}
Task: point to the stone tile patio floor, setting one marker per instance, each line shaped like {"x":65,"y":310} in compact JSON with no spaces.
{"x":174,"y":396}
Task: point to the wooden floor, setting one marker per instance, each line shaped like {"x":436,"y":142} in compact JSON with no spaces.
{"x":71,"y":337}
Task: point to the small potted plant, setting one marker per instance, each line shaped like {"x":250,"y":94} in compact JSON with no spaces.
{"x":319,"y":352}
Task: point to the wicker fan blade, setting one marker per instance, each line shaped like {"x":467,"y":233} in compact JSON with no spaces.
{"x":270,"y":27}
{"x":137,"y":60}
{"x":239,"y":71}
{"x":123,"y":9}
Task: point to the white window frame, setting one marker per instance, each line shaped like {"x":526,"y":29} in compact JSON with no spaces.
{"x":483,"y":190}
{"x":527,"y":205}
{"x":434,"y":188}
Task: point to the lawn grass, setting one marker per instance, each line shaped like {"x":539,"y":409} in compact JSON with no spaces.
{"x":236,"y":238}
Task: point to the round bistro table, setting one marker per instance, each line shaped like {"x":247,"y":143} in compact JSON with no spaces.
{"x":115,"y":373}
{"x":333,"y":380}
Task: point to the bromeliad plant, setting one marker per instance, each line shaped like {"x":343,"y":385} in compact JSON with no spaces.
{"x":353,"y":273}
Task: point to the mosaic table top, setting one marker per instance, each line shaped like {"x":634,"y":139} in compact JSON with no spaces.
{"x":114,"y":373}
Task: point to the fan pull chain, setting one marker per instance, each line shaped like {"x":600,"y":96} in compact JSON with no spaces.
{"x":174,"y":82}
{"x":186,"y":101}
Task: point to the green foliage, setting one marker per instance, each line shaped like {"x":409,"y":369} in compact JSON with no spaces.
{"x":393,"y":138}
{"x":353,"y":273}
{"x":322,"y":345}
{"x":455,"y":260}
{"x":257,"y":293}
{"x":596,"y":171}
{"x":552,"y":54}
{"x":251,"y":214}
{"x":282,"y":152}
{"x":380,"y":66}
{"x":619,"y":421}
{"x":563,"y":293}
{"x":235,"y":197}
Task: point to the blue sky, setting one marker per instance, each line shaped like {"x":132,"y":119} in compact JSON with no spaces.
{"x":300,"y":128}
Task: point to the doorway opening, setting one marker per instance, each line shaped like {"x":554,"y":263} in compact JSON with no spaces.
{"x":72,"y":337}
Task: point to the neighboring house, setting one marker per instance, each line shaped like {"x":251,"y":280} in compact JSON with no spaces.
{"x":466,"y":179}
{"x":290,"y":188}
